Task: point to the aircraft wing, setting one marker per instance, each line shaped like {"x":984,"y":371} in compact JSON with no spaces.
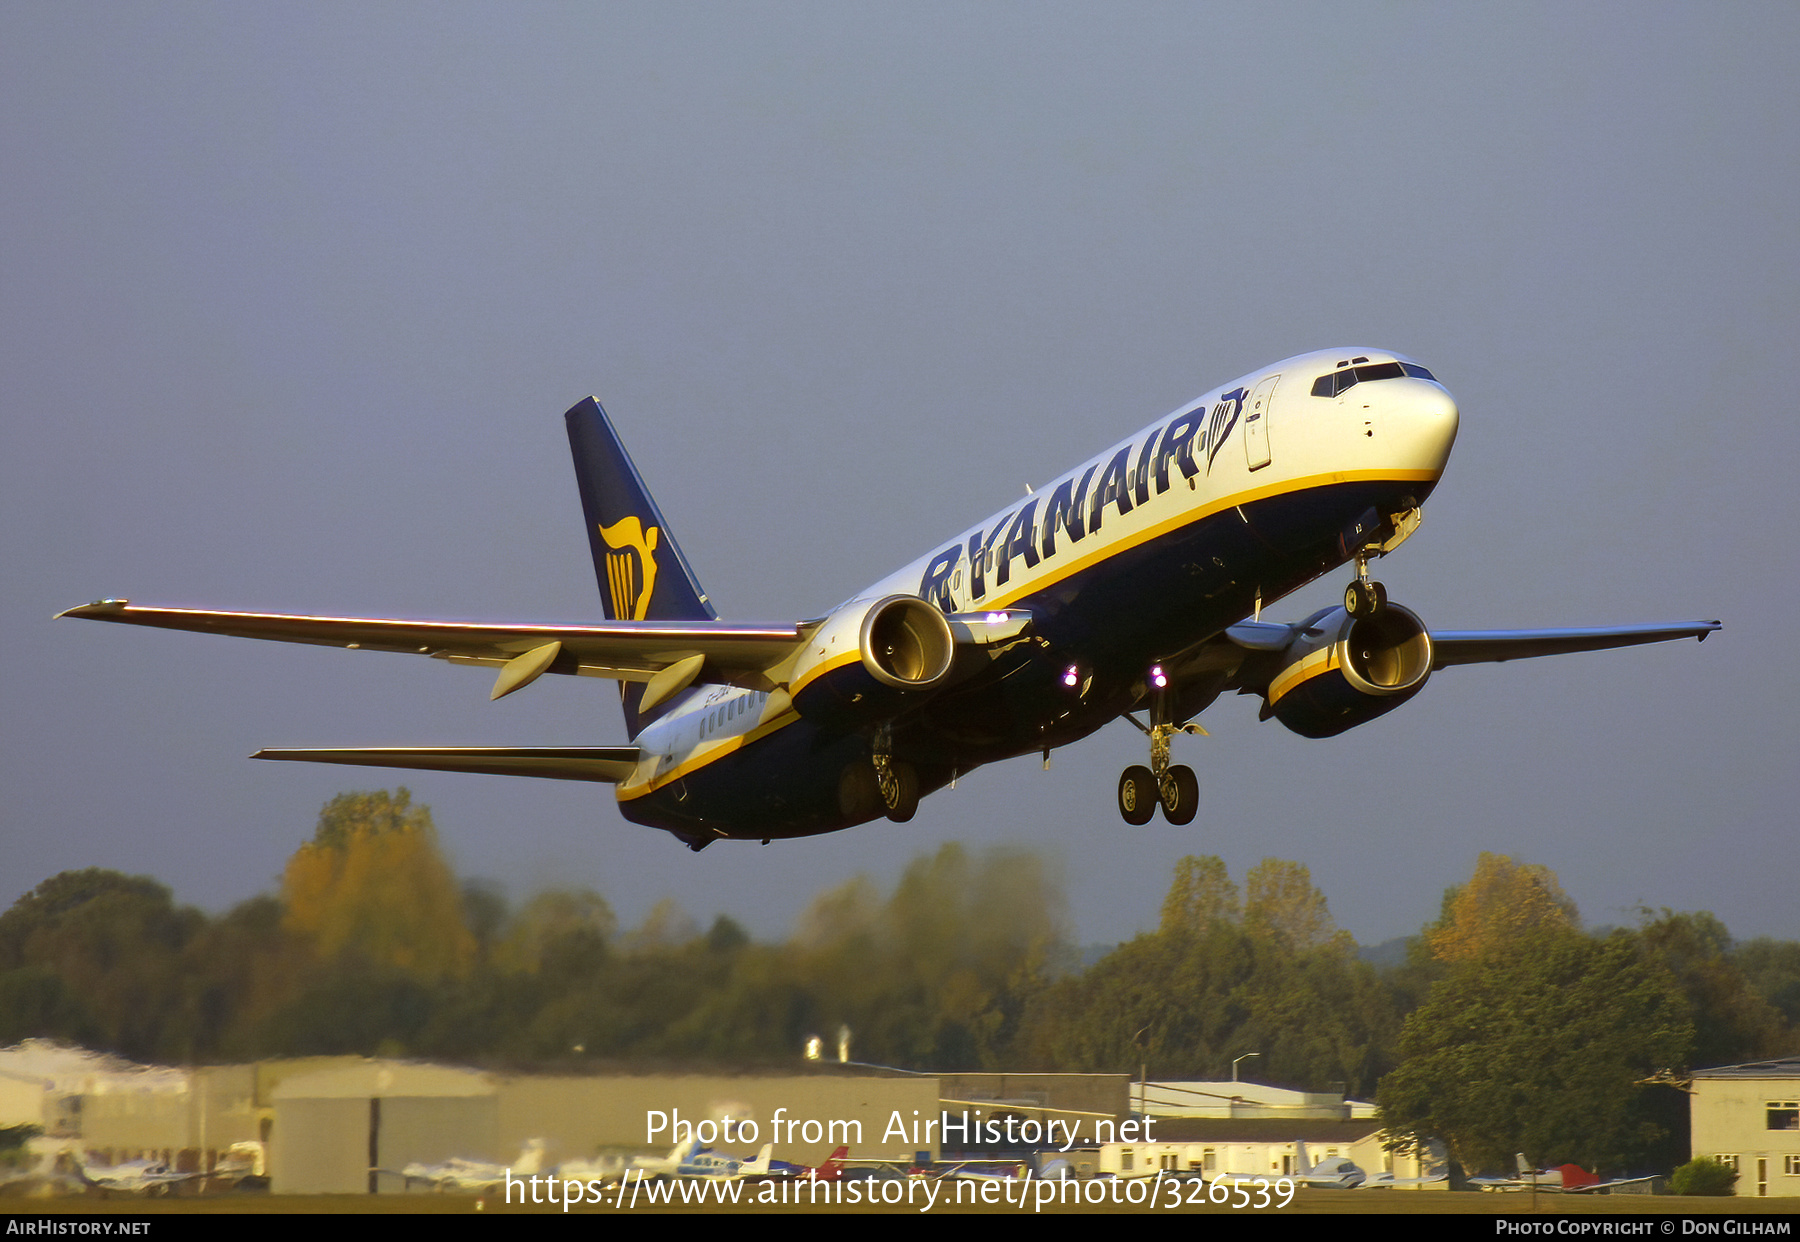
{"x":711,"y":651}
{"x":1493,"y":646}
{"x":606,"y":764}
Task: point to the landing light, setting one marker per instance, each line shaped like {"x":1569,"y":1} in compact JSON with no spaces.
{"x":1071,"y":676}
{"x":1158,"y":678}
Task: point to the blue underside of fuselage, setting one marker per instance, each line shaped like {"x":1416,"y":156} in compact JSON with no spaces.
{"x":1110,"y":622}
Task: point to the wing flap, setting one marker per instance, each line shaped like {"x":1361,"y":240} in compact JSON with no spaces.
{"x":628,"y":650}
{"x":605,"y":764}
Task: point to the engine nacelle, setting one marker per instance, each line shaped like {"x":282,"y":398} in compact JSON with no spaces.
{"x":870,"y":658}
{"x":1351,"y":670}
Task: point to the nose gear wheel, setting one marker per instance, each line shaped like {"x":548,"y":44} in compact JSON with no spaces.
{"x":1363,"y":598}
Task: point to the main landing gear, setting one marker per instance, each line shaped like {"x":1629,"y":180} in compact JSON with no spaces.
{"x":1175,"y":788}
{"x":882,"y":786}
{"x":898,"y":787}
{"x":1363,"y":598}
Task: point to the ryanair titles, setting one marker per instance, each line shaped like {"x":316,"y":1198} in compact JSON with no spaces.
{"x":1077,"y":508}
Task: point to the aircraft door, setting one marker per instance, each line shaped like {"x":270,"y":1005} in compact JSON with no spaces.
{"x":1256,"y":424}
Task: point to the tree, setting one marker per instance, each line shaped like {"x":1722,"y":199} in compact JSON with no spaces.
{"x":558,"y":924}
{"x":1773,"y":968}
{"x":1280,"y":901}
{"x":1537,"y":1045}
{"x":1703,"y":1176}
{"x":1503,"y":903}
{"x":96,"y":957}
{"x":1201,"y":896}
{"x":373,"y":883}
{"x":1732,"y":1021}
{"x":938,"y":973}
{"x":1208,"y":986}
{"x":667,"y":926}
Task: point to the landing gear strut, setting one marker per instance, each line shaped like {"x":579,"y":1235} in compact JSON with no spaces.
{"x":1363,"y":598}
{"x":1174,"y":787}
{"x":882,"y":785}
{"x":896,"y":782}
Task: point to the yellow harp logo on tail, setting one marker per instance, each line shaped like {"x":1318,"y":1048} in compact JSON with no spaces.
{"x":630,"y":600}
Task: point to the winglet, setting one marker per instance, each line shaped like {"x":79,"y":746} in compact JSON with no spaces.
{"x":99,"y":609}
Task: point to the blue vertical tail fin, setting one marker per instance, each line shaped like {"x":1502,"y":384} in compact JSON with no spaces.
{"x":642,"y":574}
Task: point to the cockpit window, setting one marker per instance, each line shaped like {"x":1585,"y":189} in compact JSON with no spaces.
{"x":1342,"y":381}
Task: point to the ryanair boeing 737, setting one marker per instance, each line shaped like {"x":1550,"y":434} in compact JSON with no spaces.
{"x":1131,"y":586}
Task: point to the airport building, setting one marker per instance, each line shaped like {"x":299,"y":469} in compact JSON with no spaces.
{"x":1250,"y":1129}
{"x":115,"y":1107}
{"x":1748,"y":1117}
{"x":351,"y":1125}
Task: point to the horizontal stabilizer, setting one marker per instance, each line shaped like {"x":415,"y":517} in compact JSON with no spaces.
{"x":606,"y":764}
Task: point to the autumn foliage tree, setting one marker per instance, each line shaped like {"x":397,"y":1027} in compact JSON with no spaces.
{"x":1280,"y":901}
{"x":1536,"y":1037}
{"x":1503,"y":903}
{"x":1539,"y":1047}
{"x":1527,"y":1032}
{"x":373,"y":883}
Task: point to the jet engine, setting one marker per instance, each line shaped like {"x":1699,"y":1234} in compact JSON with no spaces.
{"x":1341,"y":671}
{"x":869,"y":658}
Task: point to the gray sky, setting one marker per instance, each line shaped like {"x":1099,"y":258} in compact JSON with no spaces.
{"x":293,"y":297}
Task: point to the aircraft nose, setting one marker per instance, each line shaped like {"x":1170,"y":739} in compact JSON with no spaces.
{"x":1423,"y":416}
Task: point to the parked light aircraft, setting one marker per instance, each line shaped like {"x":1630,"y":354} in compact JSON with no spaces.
{"x":464,"y":1175}
{"x":136,"y":1177}
{"x":1133,"y":584}
{"x":621,"y":1167}
{"x":832,"y":1170}
{"x":714,"y":1165}
{"x":1331,"y":1173}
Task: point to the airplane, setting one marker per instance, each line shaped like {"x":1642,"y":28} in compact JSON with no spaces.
{"x":621,"y":1167}
{"x":1131,"y":585}
{"x":1578,"y":1181}
{"x":1331,"y":1173}
{"x":1387,"y":1181}
{"x":459,"y":1174}
{"x":151,"y":1178}
{"x":712,"y":1165}
{"x":1569,"y":1179}
{"x":832,"y":1170}
{"x":1529,"y":1177}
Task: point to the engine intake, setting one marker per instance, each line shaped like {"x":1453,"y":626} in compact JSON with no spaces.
{"x":869,"y":660}
{"x":1349,"y":671}
{"x":906,"y":643}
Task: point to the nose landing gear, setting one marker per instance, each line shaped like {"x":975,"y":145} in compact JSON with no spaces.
{"x":1363,"y":598}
